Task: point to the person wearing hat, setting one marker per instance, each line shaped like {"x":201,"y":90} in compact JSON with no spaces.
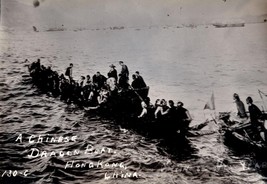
{"x":113,"y":72}
{"x":183,"y":117}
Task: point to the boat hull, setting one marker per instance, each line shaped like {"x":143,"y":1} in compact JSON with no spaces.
{"x":242,"y":135}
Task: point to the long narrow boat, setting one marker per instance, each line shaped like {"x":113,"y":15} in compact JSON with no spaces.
{"x":240,"y":134}
{"x":123,"y":107}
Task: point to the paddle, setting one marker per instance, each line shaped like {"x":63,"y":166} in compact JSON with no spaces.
{"x":199,"y":126}
{"x":136,"y":93}
{"x":239,"y":126}
{"x":253,"y":142}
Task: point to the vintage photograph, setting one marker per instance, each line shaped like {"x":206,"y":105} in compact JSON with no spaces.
{"x":133,"y":91}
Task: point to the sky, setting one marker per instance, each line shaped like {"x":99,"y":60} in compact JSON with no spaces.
{"x":105,"y":13}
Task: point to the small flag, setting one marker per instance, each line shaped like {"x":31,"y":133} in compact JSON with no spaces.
{"x":210,"y":104}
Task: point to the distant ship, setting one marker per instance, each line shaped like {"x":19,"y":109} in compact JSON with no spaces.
{"x":222,"y":25}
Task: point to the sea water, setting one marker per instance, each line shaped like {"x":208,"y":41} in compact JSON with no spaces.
{"x":185,"y":64}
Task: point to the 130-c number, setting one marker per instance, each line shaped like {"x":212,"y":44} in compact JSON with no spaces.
{"x":10,"y":173}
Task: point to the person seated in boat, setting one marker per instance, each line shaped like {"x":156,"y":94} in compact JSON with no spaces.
{"x":68,"y":72}
{"x":63,"y":82}
{"x":35,"y":71}
{"x":113,"y":72}
{"x":135,"y":84}
{"x":161,"y":109}
{"x":68,"y":90}
{"x":144,"y":110}
{"x":63,"y":86}
{"x":123,"y":76}
{"x":56,"y":82}
{"x":35,"y":65}
{"x":149,"y":104}
{"x":157,"y":103}
{"x":77,"y":94}
{"x":89,"y":90}
{"x":87,"y":87}
{"x":140,"y":80}
{"x":102,"y":99}
{"x":88,"y":79}
{"x":48,"y":78}
{"x":41,"y":78}
{"x":183,"y":117}
{"x":171,"y":111}
{"x":99,"y":80}
{"x":255,"y":115}
{"x":112,"y":85}
{"x":241,"y":111}
{"x":103,"y":95}
{"x":62,"y":77}
{"x":170,"y":115}
{"x":82,"y":82}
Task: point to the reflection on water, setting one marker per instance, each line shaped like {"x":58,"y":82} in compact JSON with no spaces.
{"x":179,"y":64}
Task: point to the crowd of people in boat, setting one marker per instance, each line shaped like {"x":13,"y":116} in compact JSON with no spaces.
{"x":97,"y":90}
{"x":87,"y":88}
{"x":256,"y":116}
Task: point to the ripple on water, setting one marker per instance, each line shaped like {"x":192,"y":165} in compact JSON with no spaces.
{"x":25,"y":110}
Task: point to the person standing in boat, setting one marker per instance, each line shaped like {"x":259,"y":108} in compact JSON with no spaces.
{"x":140,"y":80}
{"x":254,"y":112}
{"x":68,"y":72}
{"x":241,"y":111}
{"x":256,"y":116}
{"x":124,"y":75}
{"x":113,"y":72}
{"x":183,"y":117}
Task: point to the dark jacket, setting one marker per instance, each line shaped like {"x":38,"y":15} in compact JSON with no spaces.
{"x":255,"y":113}
{"x":99,"y":80}
{"x":124,"y":71}
{"x":113,"y":73}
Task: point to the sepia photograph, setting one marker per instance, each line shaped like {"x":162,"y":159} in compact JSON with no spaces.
{"x":133,"y":91}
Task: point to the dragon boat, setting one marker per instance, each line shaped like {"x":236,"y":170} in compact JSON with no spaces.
{"x":123,"y":107}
